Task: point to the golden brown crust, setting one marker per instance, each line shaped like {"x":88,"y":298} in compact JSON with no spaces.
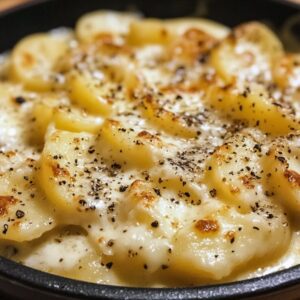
{"x":207,"y":226}
{"x":5,"y":203}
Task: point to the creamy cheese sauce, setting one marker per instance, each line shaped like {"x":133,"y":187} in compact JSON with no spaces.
{"x":167,"y":148}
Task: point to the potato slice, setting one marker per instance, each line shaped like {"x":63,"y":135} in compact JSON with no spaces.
{"x":17,"y":126}
{"x":128,"y":146}
{"x":282,"y":172}
{"x":148,"y":204}
{"x":178,"y":27}
{"x":34,"y":59}
{"x":25,"y":213}
{"x":43,"y":116}
{"x":247,"y":54}
{"x":155,"y":31}
{"x":192,"y":45}
{"x":217,"y":243}
{"x":66,"y":252}
{"x":287,"y":71}
{"x":62,"y":177}
{"x":76,"y":121}
{"x":140,"y":203}
{"x":148,"y":31}
{"x":233,"y":172}
{"x":252,"y":105}
{"x":89,"y":93}
{"x":148,"y":220}
{"x":170,"y":122}
{"x":64,"y":118}
{"x":97,"y":24}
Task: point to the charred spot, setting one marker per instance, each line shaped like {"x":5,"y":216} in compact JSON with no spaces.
{"x":27,"y":59}
{"x":145,"y":134}
{"x":141,"y":193}
{"x":292,"y":176}
{"x":5,"y":202}
{"x":207,"y":226}
{"x":57,"y":171}
{"x":247,"y":181}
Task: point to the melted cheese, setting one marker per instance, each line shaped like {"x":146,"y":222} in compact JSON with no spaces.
{"x":167,"y":147}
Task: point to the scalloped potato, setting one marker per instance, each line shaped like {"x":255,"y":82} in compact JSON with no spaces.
{"x":169,"y":148}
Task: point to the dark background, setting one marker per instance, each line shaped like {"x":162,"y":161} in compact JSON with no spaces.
{"x":65,"y":13}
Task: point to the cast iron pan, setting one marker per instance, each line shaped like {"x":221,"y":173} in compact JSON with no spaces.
{"x":19,"y":282}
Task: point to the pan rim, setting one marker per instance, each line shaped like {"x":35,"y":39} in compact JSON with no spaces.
{"x":56,"y":285}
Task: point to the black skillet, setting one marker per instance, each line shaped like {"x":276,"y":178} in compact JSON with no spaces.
{"x":19,"y":282}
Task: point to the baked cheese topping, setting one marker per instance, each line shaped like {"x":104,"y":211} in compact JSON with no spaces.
{"x":146,"y":152}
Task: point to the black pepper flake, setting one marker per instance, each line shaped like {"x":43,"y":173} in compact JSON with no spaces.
{"x":155,"y":224}
{"x":110,"y":243}
{"x":20,"y":214}
{"x":256,"y":228}
{"x":157,"y":191}
{"x":246,"y":92}
{"x":91,"y":150}
{"x":145,"y":266}
{"x":257,"y":147}
{"x":82,"y":202}
{"x":20,"y":100}
{"x":202,"y":59}
{"x":213,"y":192}
{"x":164,"y":267}
{"x":5,"y":229}
{"x":111,"y":207}
{"x":116,"y":166}
{"x":281,"y":159}
{"x":123,"y":188}
{"x":109,"y":265}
